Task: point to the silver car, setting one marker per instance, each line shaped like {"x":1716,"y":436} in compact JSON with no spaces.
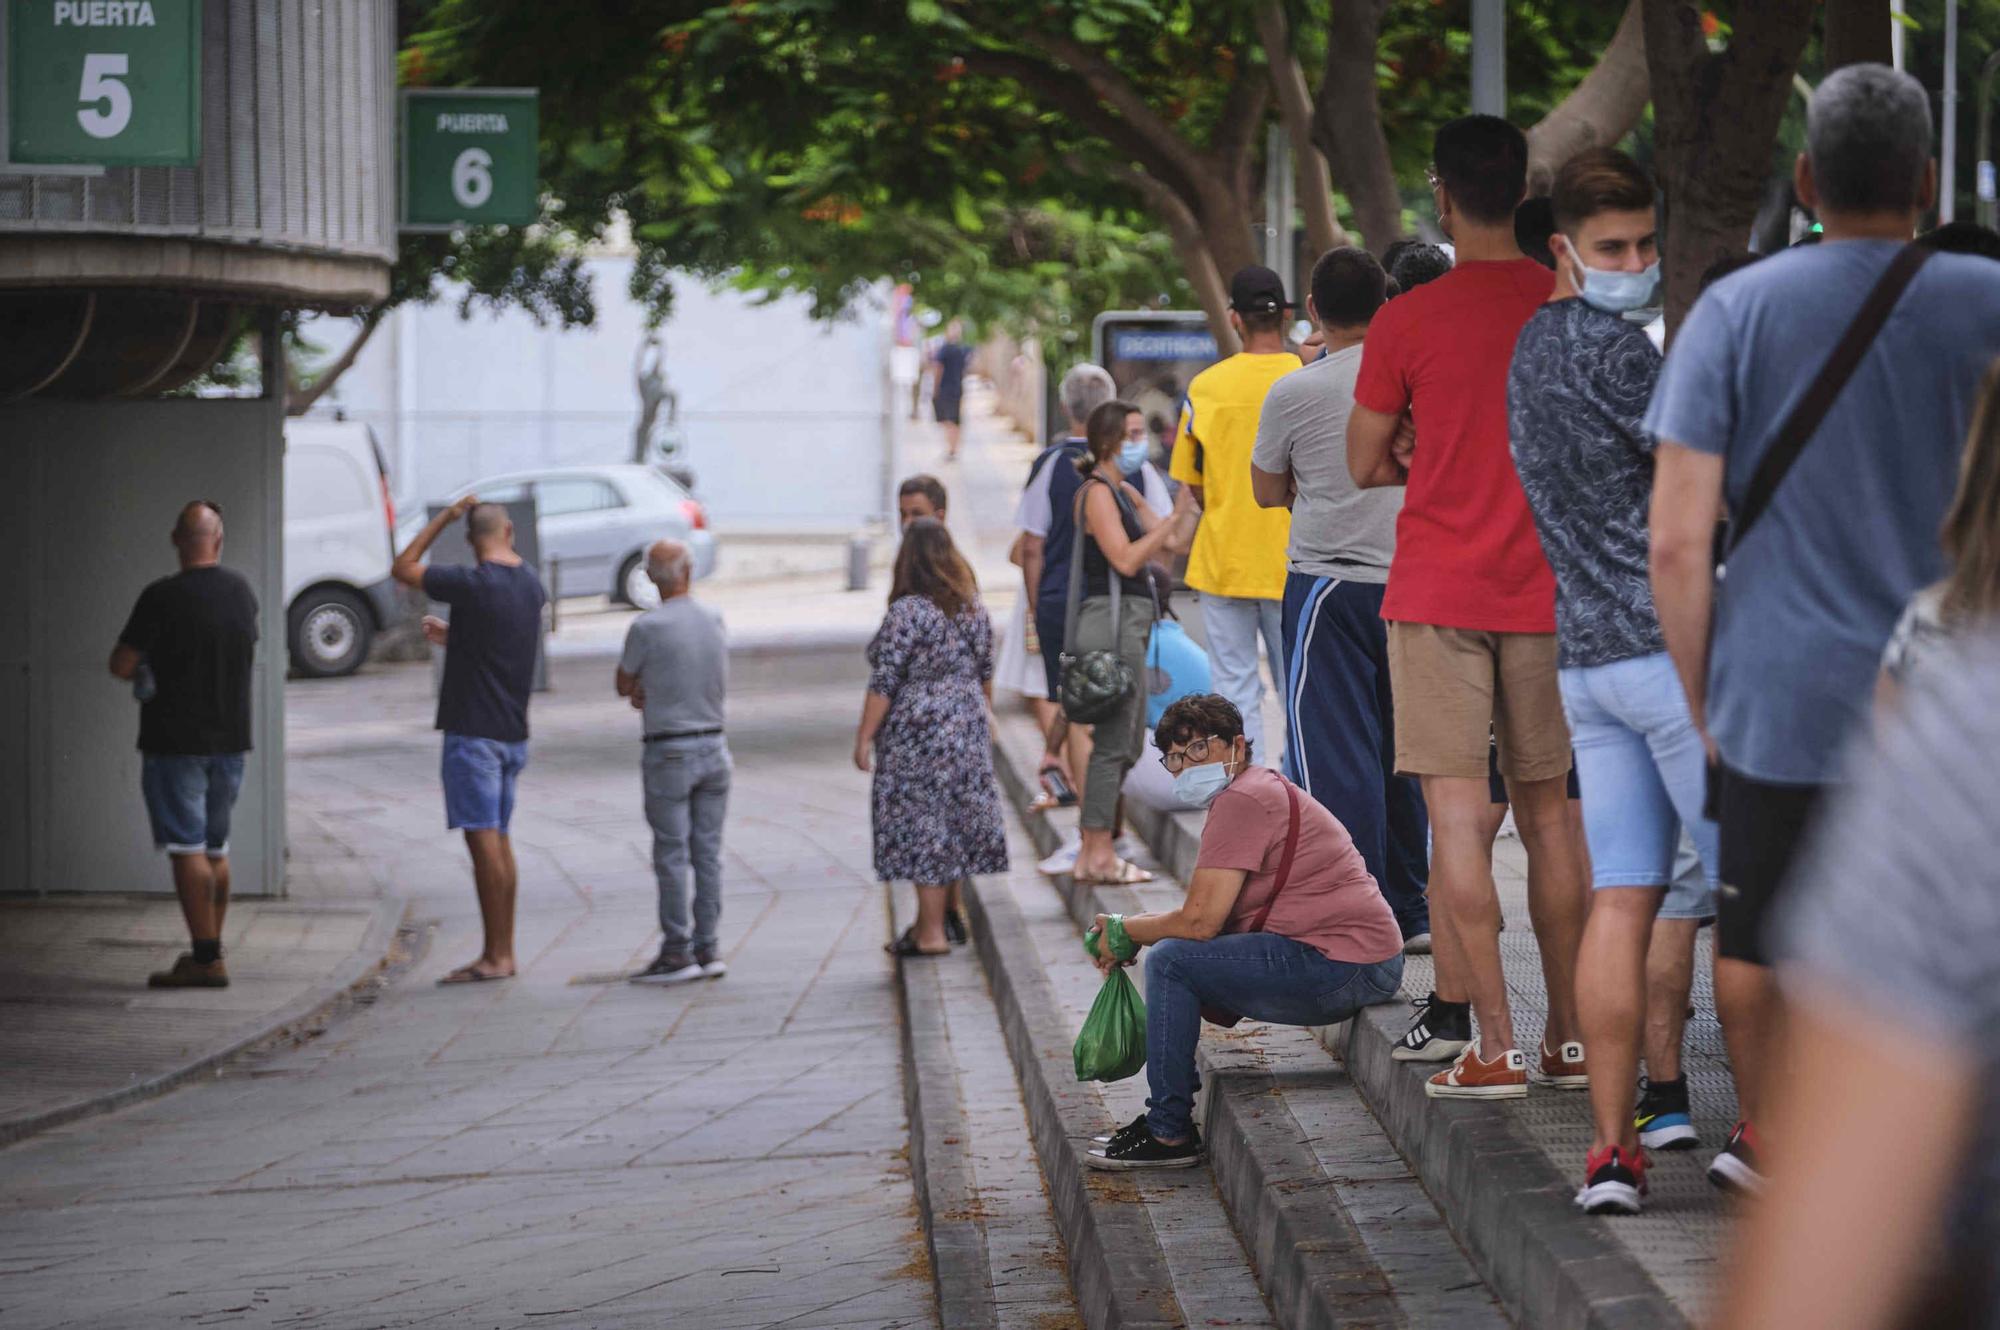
{"x":596,"y":522}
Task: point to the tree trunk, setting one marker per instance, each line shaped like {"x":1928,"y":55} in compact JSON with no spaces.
{"x":1600,"y":110}
{"x":1347,"y":122}
{"x":1857,"y":31}
{"x":1715,"y":120}
{"x":1288,"y":81}
{"x":299,"y":399}
{"x":1197,"y":262}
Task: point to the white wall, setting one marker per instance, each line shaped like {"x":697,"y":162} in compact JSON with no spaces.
{"x":784,"y":415}
{"x":88,"y":494}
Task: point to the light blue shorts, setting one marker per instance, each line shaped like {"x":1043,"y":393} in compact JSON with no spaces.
{"x":1642,"y":769}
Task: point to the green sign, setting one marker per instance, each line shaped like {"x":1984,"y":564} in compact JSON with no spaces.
{"x":104,"y":82}
{"x":470,"y":157}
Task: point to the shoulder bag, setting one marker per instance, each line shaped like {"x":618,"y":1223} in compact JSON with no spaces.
{"x":1222,"y":1015}
{"x":1094,"y":683}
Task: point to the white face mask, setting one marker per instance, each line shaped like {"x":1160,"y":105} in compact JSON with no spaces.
{"x":1196,"y":787}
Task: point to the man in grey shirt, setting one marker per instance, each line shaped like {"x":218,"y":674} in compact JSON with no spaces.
{"x":675,"y":670}
{"x":1341,"y":748}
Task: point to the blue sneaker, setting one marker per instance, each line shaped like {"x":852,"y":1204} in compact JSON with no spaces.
{"x":1662,"y":1117}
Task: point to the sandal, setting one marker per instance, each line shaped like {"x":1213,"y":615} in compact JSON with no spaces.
{"x":906,"y":945}
{"x":1128,"y":874}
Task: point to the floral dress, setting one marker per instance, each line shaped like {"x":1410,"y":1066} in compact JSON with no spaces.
{"x":936,"y":804}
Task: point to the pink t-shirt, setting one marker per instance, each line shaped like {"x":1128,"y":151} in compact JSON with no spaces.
{"x":1330,"y":902}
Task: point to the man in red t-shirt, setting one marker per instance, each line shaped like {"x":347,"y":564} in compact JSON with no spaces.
{"x":1471,"y":611}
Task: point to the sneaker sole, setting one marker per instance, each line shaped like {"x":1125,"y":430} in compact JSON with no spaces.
{"x":1435,"y":1091}
{"x":687,"y":976}
{"x":1609,"y":1198}
{"x":1733,"y":1175}
{"x":1095,"y":1160}
{"x":714,"y":970}
{"x":1559,"y":1082}
{"x":1437,"y":1050}
{"x":1680,"y":1136}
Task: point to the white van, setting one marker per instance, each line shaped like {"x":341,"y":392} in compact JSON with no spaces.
{"x":339,"y":522}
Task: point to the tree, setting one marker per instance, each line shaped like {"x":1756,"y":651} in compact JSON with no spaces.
{"x":1603,"y":108}
{"x":1857,"y":31}
{"x":1719,"y":93}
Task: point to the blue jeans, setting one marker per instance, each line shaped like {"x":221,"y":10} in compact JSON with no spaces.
{"x":189,"y":798}
{"x":1260,"y":976}
{"x":1233,"y":624}
{"x":1643,"y":771}
{"x":1341,"y":735}
{"x":687,"y":797}
{"x":479,"y":776}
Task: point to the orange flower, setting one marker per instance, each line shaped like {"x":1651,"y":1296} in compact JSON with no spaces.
{"x":1711,"y":26}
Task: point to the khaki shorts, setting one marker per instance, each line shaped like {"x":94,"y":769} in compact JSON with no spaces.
{"x":1454,"y":684}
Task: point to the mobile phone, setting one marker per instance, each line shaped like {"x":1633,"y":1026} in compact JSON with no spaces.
{"x":1058,"y":786}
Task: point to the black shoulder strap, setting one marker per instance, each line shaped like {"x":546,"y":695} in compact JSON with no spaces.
{"x":1805,"y":419}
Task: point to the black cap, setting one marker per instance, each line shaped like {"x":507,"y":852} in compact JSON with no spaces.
{"x":1257,"y":290}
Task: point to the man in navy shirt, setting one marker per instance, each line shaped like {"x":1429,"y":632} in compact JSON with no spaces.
{"x":489,"y":668}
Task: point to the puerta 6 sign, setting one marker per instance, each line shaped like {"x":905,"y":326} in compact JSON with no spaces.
{"x":470,"y":157}
{"x":104,"y":82}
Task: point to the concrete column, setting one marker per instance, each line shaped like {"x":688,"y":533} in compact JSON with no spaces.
{"x":1489,"y":57}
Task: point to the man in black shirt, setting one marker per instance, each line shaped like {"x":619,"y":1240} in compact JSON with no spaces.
{"x":489,"y":668}
{"x":188,"y":647}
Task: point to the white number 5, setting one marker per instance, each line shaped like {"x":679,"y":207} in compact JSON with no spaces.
{"x":101,"y":75}
{"x":472,"y":177}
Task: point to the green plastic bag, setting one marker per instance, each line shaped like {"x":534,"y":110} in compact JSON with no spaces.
{"x":1112,"y":1044}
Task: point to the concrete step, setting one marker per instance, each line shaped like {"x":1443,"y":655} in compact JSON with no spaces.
{"x":1339,"y":1230}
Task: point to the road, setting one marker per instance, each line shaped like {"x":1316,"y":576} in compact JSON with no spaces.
{"x":565,"y":1149}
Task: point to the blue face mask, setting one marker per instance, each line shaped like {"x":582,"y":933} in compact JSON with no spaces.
{"x":1618,"y":292}
{"x":1134,"y":454}
{"x":1196,"y":787}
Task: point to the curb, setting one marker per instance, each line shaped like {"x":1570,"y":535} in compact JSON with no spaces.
{"x":359,"y":966}
{"x":1547,"y":1262}
{"x":961,"y":1264}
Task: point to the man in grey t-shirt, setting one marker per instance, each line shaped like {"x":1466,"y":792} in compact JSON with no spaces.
{"x":675,"y":670}
{"x":1342,"y":748}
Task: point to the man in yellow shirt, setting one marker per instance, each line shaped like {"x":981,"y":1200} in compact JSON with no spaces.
{"x":1238,"y":561}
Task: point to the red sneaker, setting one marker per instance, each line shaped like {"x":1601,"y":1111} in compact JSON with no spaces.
{"x":1614,"y":1183}
{"x":1561,"y":1068}
{"x":1735,"y":1169}
{"x":1505,"y":1077}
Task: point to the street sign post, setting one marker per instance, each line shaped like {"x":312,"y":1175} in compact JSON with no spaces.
{"x":104,"y":82}
{"x":470,"y":157}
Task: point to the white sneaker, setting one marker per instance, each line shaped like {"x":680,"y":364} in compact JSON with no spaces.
{"x":1063,"y":860}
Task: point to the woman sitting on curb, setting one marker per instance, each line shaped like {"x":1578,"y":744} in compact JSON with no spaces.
{"x":1282,"y":923}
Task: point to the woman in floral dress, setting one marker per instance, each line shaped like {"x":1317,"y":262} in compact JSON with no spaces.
{"x":924,"y":732}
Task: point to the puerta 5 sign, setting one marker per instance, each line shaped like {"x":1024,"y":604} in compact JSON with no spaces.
{"x":470,"y":157}
{"x":104,"y":82}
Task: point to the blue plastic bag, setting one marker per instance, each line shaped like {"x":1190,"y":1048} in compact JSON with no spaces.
{"x":1175,"y":667}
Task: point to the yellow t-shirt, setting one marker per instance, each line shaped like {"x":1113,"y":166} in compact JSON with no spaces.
{"x":1239,"y":548}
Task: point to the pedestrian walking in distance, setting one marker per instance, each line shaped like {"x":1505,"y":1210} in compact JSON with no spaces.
{"x":190,"y":640}
{"x":675,"y":670}
{"x":489,"y":668}
{"x":925,"y":733}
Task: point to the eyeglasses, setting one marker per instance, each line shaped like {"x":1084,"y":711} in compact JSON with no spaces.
{"x":1197,"y":751}
{"x":1431,"y":177}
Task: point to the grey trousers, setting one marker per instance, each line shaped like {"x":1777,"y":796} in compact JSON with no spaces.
{"x":687,"y":796}
{"x":1119,"y":738}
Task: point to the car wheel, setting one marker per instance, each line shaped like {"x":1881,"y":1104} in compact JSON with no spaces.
{"x":330,"y":633}
{"x":634,"y":587}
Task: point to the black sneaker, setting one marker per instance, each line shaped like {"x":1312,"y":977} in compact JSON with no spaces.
{"x":711,"y":962}
{"x":672,"y":967}
{"x":1442,"y":1029}
{"x":1735,"y":1169}
{"x":1141,"y":1150}
{"x":1133,"y":1128}
{"x":1662,"y":1116}
{"x":955,"y":930}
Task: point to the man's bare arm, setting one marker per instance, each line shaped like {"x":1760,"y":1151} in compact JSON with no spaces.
{"x":124,"y":661}
{"x":409,"y":565}
{"x":1371,"y":438}
{"x":1687,"y":500}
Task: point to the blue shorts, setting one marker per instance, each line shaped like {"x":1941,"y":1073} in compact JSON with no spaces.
{"x":189,"y":798}
{"x":479,"y":777}
{"x":1642,"y":767}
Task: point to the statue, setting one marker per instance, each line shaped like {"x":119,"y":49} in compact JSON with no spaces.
{"x":649,"y":373}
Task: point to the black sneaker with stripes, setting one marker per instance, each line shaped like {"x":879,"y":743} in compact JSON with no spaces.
{"x":1439,"y":1032}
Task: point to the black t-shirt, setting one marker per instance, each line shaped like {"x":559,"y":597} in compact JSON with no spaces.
{"x":489,"y":660}
{"x":1097,"y":569}
{"x":952,"y":359}
{"x":198,"y":632}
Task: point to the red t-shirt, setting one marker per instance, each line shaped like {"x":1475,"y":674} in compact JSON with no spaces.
{"x":1466,"y":551}
{"x":1330,"y":901}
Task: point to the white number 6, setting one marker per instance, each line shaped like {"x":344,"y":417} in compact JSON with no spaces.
{"x":472,"y":177}
{"x":101,"y":75}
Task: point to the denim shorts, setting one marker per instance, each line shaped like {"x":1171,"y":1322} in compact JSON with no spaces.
{"x":189,"y":798}
{"x":479,"y":777}
{"x":1642,"y":770}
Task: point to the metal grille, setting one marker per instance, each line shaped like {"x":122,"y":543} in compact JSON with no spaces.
{"x":298,"y":140}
